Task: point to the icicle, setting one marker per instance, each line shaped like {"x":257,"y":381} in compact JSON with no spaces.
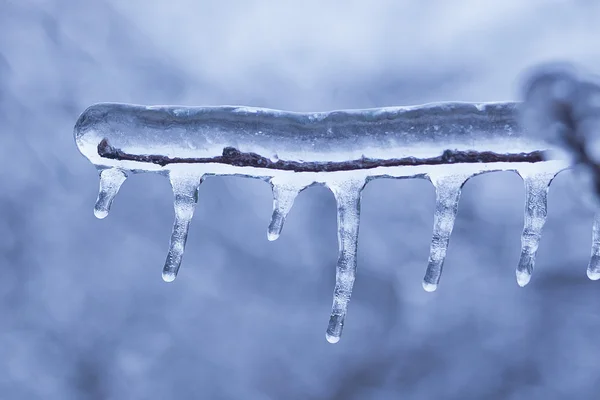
{"x":536,"y":204}
{"x":283,"y":199}
{"x":593,"y":271}
{"x":185,"y":190}
{"x":447,"y":191}
{"x":347,"y":195}
{"x":110,"y":182}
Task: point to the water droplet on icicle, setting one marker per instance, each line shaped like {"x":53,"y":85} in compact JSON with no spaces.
{"x":593,"y":271}
{"x":447,"y":195}
{"x":283,"y":200}
{"x":347,"y":195}
{"x":185,"y":190}
{"x":110,"y":182}
{"x":536,"y":209}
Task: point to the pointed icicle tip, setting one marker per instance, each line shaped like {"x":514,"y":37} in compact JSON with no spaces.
{"x":111,"y":180}
{"x":283,"y":200}
{"x":523,"y":278}
{"x":168,"y":276}
{"x":593,"y":270}
{"x":100,"y":213}
{"x":332,"y":339}
{"x":593,"y":275}
{"x":185,"y":190}
{"x":447,"y":196}
{"x":429,"y":287}
{"x":537,"y":185}
{"x":347,"y":195}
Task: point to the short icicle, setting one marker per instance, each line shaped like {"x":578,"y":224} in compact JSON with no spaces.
{"x":537,"y":185}
{"x":111,"y":180}
{"x":447,"y":193}
{"x":347,"y":195}
{"x":593,"y":271}
{"x":283,"y":200}
{"x":185,"y":191}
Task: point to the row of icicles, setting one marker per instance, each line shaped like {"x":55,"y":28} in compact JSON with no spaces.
{"x":347,"y":194}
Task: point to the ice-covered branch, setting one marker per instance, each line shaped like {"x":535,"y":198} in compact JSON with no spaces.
{"x":446,"y":143}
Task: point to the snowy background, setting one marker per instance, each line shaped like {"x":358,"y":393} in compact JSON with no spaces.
{"x":84,"y":311}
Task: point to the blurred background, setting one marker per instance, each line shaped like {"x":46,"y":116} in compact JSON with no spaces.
{"x":84,"y":312}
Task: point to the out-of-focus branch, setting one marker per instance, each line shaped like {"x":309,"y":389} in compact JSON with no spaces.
{"x":562,"y":107}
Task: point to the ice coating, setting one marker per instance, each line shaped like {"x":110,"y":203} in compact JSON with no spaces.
{"x":185,"y":191}
{"x":446,"y":143}
{"x":447,"y":191}
{"x":537,"y":184}
{"x":165,"y":135}
{"x":111,"y":180}
{"x":347,"y":196}
{"x":284,"y":194}
{"x":593,"y":271}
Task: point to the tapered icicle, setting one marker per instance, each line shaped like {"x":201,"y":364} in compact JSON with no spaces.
{"x":185,"y":190}
{"x":347,"y":195}
{"x":593,"y":271}
{"x":447,"y":193}
{"x":536,"y":208}
{"x":283,"y":199}
{"x":111,"y":180}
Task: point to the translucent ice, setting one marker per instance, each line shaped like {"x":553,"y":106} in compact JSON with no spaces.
{"x":347,"y":195}
{"x":343,"y":150}
{"x":536,"y":204}
{"x":111,"y":180}
{"x":284,"y":194}
{"x":447,"y":190}
{"x":593,"y":271}
{"x":185,"y":190}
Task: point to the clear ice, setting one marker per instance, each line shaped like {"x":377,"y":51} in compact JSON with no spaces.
{"x":446,"y":143}
{"x":537,"y":185}
{"x":447,"y":195}
{"x":347,"y":196}
{"x":111,"y":180}
{"x":284,"y":194}
{"x":593,"y":271}
{"x":185,"y":191}
{"x":562,"y":109}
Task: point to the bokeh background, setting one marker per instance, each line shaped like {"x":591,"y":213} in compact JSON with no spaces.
{"x":84,"y":313}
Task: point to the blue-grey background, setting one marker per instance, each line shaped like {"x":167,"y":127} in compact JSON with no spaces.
{"x":84,"y":313}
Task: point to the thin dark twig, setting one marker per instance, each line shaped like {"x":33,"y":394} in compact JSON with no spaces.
{"x":232,"y":156}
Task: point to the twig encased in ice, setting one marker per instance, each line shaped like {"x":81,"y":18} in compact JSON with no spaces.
{"x":446,"y":143}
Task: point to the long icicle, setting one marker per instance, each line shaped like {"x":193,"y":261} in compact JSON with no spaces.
{"x":593,"y":271}
{"x":283,"y":200}
{"x":185,"y":191}
{"x":537,"y":185}
{"x":111,"y":180}
{"x":447,"y":193}
{"x":347,"y":196}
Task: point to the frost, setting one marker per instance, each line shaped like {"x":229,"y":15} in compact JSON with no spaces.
{"x":446,"y":143}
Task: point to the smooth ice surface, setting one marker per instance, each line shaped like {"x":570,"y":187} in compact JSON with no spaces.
{"x":284,"y":195}
{"x":593,"y":271}
{"x":85,"y":314}
{"x":347,"y":196}
{"x":447,"y":191}
{"x":111,"y":180}
{"x":185,"y":191}
{"x":445,"y":142}
{"x":380,"y":133}
{"x":537,"y":184}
